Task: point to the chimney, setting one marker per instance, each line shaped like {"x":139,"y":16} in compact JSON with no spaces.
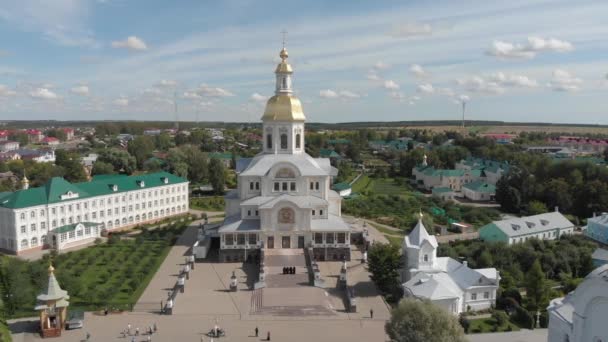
{"x":594,"y":214}
{"x":556,"y":209}
{"x":465,"y":263}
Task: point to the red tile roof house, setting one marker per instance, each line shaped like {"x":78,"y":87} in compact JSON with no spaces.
{"x":50,"y":141}
{"x":4,"y":135}
{"x":34,"y":135}
{"x":69,"y":133}
{"x":581,"y":143}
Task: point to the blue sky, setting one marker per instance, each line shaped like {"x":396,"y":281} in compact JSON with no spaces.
{"x":518,"y":60}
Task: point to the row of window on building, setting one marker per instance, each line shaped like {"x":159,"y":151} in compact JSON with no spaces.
{"x":34,"y":241}
{"x":117,"y":199}
{"x":330,"y":238}
{"x":94,"y":214}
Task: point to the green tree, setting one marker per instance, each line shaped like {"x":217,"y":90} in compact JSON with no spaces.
{"x":57,"y":133}
{"x":70,"y":162}
{"x":163,"y":141}
{"x":141,"y":148}
{"x":536,"y":207}
{"x":421,"y":321}
{"x":384,"y":263}
{"x":217,"y":177}
{"x":121,"y":160}
{"x":508,"y":196}
{"x":536,"y":287}
{"x":102,"y":168}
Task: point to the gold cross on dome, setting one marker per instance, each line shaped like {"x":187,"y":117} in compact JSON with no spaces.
{"x":284,"y":33}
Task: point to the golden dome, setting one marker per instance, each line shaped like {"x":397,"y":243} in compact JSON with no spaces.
{"x":283,"y":67}
{"x":283,"y":108}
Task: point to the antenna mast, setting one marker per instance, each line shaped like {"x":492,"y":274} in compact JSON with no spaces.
{"x":175,"y":110}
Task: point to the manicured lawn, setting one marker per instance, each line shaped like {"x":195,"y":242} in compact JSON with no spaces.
{"x":388,"y":186}
{"x":361,"y":184}
{"x":381,"y":186}
{"x":112,"y":274}
{"x":485,"y":325}
{"x":213,"y":203}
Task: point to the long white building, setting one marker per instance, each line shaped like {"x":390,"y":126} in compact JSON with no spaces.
{"x":61,"y":214}
{"x":284,"y":199}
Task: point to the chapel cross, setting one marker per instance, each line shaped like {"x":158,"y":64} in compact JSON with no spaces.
{"x":284,"y":33}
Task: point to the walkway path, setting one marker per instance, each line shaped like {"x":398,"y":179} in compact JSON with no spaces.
{"x":166,"y":276}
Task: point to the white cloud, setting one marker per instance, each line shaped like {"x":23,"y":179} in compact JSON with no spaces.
{"x":122,"y":102}
{"x":409,"y":30}
{"x":549,"y":44}
{"x":43,"y":94}
{"x":349,"y":94}
{"x":166,"y":84}
{"x":496,"y":83}
{"x":207,"y":91}
{"x":397,"y":95}
{"x":131,"y":43}
{"x":513,"y":80}
{"x":343,"y":94}
{"x":391,"y":85}
{"x":464,"y":98}
{"x":328,"y":94}
{"x":479,"y":85}
{"x":6,"y":91}
{"x":528,"y":50}
{"x":373,"y":76}
{"x":381,"y":66}
{"x":562,"y":80}
{"x":418,"y":71}
{"x":80,"y":90}
{"x":190,"y":95}
{"x":258,"y":97}
{"x":426,"y":88}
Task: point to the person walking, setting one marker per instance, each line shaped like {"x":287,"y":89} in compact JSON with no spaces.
{"x":129,"y":329}
{"x":371,"y":313}
{"x":88,"y":336}
{"x":154,"y":327}
{"x":268,"y":336}
{"x":256,"y":331}
{"x":137,"y":331}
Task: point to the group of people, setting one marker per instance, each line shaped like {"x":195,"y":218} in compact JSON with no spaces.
{"x":129,"y":332}
{"x":289,"y":270}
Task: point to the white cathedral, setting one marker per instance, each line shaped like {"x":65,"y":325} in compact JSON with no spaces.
{"x":444,"y":281}
{"x":283,"y":199}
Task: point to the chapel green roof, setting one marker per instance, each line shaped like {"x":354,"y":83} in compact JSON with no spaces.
{"x":441,"y":190}
{"x":222,"y":155}
{"x":57,"y":187}
{"x":341,"y":186}
{"x":71,"y":227}
{"x":480,"y":186}
{"x":327,"y":153}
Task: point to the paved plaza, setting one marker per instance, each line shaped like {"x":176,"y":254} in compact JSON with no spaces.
{"x":320,"y":312}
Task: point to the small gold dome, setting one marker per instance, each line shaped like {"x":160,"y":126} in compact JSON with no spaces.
{"x":283,"y":108}
{"x":283,"y":54}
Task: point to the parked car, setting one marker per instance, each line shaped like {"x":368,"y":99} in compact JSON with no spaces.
{"x":75,"y":319}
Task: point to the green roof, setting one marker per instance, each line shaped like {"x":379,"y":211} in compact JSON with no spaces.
{"x":58,"y":189}
{"x":327,"y":153}
{"x":70,"y":227}
{"x":480,"y":186}
{"x":341,"y":186}
{"x":441,"y":190}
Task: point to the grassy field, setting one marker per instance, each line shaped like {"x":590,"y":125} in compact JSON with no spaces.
{"x":381,"y":186}
{"x":212,"y":203}
{"x":485,"y":325}
{"x":516,"y":129}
